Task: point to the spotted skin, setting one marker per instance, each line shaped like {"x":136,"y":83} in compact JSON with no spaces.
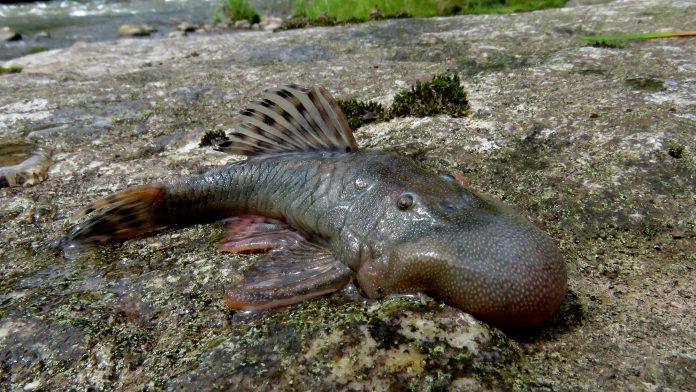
{"x":376,"y":217}
{"x":472,"y":252}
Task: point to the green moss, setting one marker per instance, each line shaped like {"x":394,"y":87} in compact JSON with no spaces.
{"x":145,"y":115}
{"x":268,"y":342}
{"x":10,"y":69}
{"x":444,"y":94}
{"x":677,"y":151}
{"x":650,"y":84}
{"x":359,"y":112}
{"x":441,"y":95}
{"x":440,"y":381}
{"x":399,"y":304}
{"x":332,"y":312}
{"x":237,"y":10}
{"x":213,"y":137}
{"x":36,"y":49}
{"x":9,"y":282}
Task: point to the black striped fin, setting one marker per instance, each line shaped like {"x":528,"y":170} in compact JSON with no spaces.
{"x":291,"y":118}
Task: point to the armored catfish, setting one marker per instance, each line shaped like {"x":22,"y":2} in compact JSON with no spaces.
{"x":326,"y":214}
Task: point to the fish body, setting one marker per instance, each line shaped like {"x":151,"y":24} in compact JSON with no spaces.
{"x":329,"y":213}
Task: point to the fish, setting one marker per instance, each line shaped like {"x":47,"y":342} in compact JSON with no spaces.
{"x":322,"y":213}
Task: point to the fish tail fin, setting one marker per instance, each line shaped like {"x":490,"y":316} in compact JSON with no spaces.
{"x":125,"y":214}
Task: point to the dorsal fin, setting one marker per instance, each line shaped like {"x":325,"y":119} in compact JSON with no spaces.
{"x":291,"y":118}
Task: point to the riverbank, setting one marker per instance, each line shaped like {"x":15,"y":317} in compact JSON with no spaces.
{"x":58,"y":24}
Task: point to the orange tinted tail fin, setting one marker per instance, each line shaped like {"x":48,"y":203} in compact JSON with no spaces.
{"x":125,"y":214}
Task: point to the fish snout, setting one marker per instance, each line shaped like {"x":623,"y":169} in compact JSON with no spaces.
{"x":507,"y":272}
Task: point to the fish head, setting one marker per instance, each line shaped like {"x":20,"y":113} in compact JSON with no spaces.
{"x":470,"y":251}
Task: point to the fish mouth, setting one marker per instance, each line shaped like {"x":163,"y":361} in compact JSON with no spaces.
{"x":508,"y":273}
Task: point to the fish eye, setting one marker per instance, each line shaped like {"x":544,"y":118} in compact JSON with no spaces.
{"x":404,"y":201}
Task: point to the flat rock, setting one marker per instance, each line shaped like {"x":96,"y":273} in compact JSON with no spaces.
{"x":594,"y":143}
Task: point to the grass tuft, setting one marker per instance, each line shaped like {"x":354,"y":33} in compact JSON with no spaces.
{"x":444,"y":94}
{"x":360,"y":113}
{"x":11,"y":69}
{"x":650,"y":84}
{"x":341,"y":11}
{"x":237,"y":10}
{"x":213,"y":137}
{"x":634,"y":37}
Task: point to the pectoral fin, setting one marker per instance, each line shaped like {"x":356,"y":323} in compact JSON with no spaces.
{"x":253,"y":233}
{"x":294,"y":270}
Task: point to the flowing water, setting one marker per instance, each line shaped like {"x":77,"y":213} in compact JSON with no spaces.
{"x":68,"y":21}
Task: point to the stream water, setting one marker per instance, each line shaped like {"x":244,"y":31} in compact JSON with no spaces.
{"x":68,"y":21}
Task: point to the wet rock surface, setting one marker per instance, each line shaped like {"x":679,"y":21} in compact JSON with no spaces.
{"x":594,"y":144}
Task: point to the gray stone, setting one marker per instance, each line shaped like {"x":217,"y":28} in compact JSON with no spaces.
{"x":224,"y":25}
{"x":271,"y":23}
{"x":7,"y":34}
{"x":135,"y":30}
{"x":186,"y":27}
{"x":42,"y":35}
{"x":242,"y":24}
{"x":577,"y":137}
{"x":177,"y":34}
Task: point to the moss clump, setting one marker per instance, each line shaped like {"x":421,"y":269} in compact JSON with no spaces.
{"x":11,"y":69}
{"x":444,"y":94}
{"x":296,"y":22}
{"x":213,"y":137}
{"x":324,"y":19}
{"x":359,"y":112}
{"x":677,"y":151}
{"x":607,"y":44}
{"x":650,"y":84}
